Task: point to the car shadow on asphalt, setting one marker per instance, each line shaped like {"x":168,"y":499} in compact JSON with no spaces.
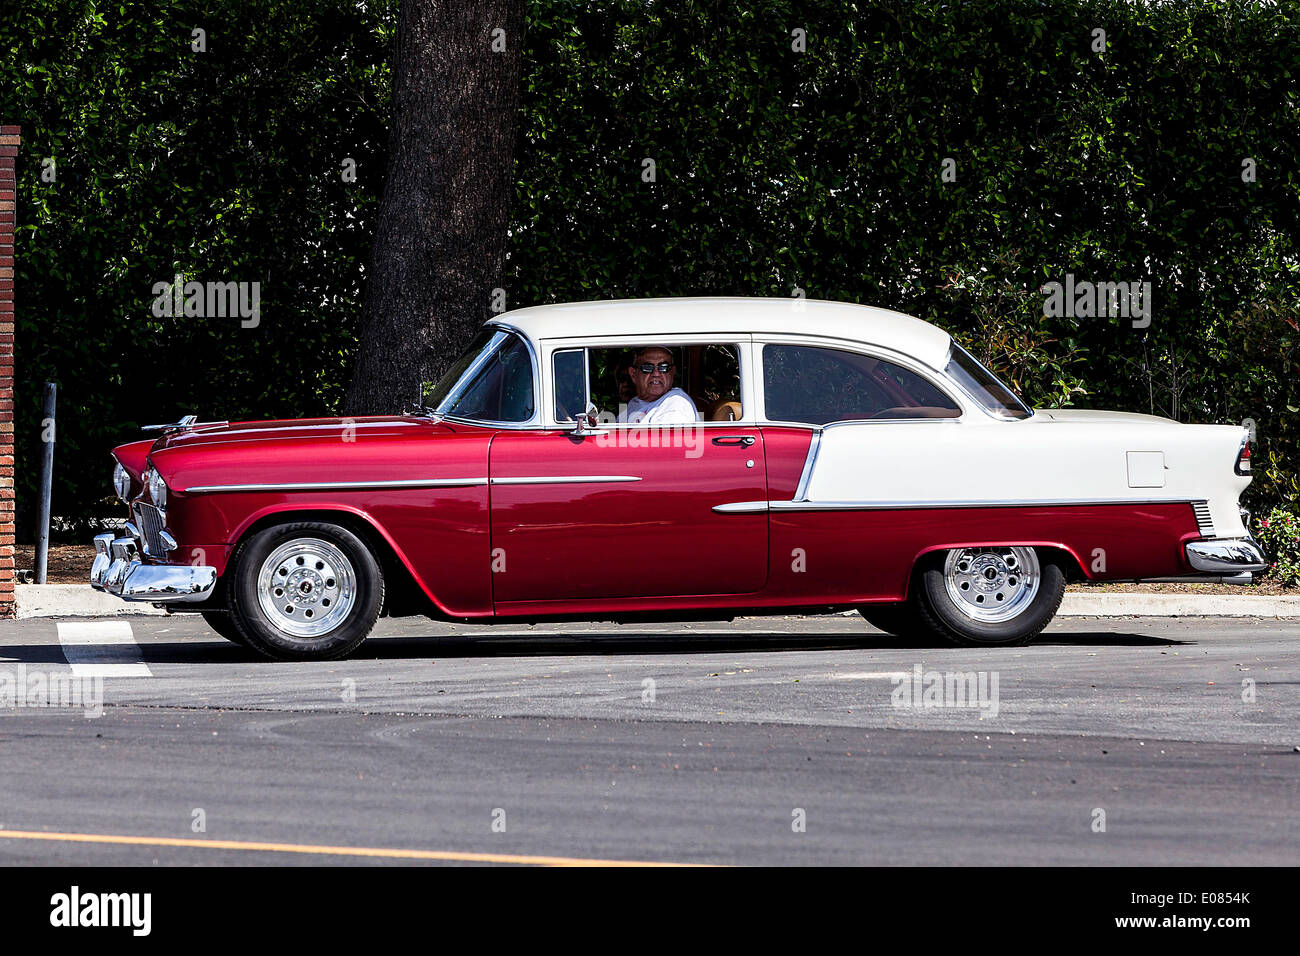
{"x":624,"y":645}
{"x":1107,"y":639}
{"x":202,"y":651}
{"x":31,"y":654}
{"x":206,"y":650}
{"x":616,"y":645}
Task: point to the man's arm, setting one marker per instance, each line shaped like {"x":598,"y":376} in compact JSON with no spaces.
{"x":677,"y":410}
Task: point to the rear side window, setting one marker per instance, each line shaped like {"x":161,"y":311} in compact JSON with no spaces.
{"x":803,"y":383}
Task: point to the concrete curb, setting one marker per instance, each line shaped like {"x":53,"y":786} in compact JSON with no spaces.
{"x":73,"y":600}
{"x":1083,"y":604}
{"x":81,"y":600}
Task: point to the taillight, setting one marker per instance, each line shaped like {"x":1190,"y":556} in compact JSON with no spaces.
{"x":1243,"y":458}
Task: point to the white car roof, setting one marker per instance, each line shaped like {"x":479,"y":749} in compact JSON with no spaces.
{"x":653,"y":319}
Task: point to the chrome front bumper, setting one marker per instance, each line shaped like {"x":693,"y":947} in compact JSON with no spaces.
{"x":1226,"y":555}
{"x":119,"y":570}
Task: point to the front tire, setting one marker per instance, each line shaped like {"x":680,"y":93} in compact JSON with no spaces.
{"x":306,"y":591}
{"x":997,"y":596}
{"x":224,"y":624}
{"x":899,"y":620}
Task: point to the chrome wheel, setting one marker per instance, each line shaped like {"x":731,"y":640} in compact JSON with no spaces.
{"x":306,"y":587}
{"x":991,"y":585}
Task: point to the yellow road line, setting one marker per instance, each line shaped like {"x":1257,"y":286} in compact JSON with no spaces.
{"x":392,"y":853}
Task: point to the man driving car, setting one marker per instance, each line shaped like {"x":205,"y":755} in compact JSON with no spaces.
{"x":657,"y":402}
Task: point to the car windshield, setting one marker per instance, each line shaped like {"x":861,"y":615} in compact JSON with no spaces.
{"x":983,"y":386}
{"x":492,"y":381}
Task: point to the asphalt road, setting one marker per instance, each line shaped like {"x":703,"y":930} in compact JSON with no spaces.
{"x":669,"y":743}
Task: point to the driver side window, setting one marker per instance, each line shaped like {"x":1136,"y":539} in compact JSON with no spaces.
{"x":705,"y":376}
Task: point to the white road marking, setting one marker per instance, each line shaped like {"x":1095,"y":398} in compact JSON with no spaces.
{"x":102,"y":649}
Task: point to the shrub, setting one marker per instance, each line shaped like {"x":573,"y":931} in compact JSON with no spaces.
{"x":1279,"y":533}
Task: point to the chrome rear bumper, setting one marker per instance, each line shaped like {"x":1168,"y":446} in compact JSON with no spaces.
{"x":1226,"y":555}
{"x":118,"y":570}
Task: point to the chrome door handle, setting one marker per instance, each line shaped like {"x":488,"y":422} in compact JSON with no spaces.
{"x":743,"y":440}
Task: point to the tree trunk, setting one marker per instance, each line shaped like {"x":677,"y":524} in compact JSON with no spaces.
{"x":439,"y":247}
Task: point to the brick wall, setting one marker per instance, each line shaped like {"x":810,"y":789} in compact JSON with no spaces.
{"x":8,"y":203}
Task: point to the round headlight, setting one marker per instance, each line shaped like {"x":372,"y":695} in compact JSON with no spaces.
{"x":157,"y":487}
{"x":121,"y":481}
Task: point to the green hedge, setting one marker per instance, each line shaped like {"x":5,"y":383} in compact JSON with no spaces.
{"x":819,"y":170}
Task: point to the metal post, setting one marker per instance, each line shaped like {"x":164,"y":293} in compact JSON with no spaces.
{"x":47,"y":483}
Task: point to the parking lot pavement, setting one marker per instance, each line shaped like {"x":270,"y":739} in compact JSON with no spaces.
{"x":672,"y":742}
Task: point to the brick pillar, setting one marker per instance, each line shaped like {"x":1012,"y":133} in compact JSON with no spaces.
{"x":8,"y":203}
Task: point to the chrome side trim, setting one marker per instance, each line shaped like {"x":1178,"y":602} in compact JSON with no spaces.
{"x":886,"y":421}
{"x":1226,"y":555}
{"x":736,"y":507}
{"x":532,"y":425}
{"x":1245,"y":577}
{"x":814,"y":445}
{"x":341,"y":485}
{"x":1204,"y":522}
{"x":999,"y":503}
{"x":413,"y":483}
{"x":565,"y":428}
{"x":564,"y":479}
{"x":586,"y":380}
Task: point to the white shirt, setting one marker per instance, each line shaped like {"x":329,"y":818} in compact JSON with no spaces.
{"x":673,"y":407}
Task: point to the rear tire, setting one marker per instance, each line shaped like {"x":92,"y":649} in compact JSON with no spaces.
{"x":996,"y":596}
{"x":306,"y":591}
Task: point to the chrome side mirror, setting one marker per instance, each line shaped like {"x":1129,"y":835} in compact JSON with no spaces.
{"x":587,"y":424}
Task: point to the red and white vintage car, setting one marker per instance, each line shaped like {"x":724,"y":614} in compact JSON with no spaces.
{"x":842,"y":456}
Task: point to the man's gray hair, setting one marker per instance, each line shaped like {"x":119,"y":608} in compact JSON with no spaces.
{"x":636,"y":355}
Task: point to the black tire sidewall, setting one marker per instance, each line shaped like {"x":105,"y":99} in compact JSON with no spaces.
{"x":937,"y":606}
{"x":899,"y":620}
{"x":265,"y":637}
{"x":903,"y":622}
{"x":224,"y":624}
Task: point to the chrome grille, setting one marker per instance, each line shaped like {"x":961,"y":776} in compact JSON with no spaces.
{"x":150,"y":520}
{"x":1203,"y":521}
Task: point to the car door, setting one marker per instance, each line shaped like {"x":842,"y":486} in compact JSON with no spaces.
{"x":626,"y":512}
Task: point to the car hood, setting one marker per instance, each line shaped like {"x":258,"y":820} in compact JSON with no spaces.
{"x":321,"y":450}
{"x":337,"y":429}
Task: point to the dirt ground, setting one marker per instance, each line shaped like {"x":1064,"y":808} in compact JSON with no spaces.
{"x":70,"y":564}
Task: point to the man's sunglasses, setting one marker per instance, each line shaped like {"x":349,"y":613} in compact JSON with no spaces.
{"x":645,"y":368}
